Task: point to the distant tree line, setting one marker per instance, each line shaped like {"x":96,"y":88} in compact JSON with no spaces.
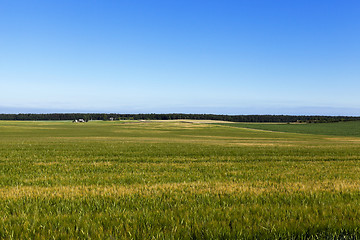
{"x":153,"y":116}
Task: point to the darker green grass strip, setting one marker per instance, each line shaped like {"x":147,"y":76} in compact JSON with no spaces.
{"x":348,"y":129}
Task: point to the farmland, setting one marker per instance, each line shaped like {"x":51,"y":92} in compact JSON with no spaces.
{"x":178,"y":180}
{"x":348,"y":129}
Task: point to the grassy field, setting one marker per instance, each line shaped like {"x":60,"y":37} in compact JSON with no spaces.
{"x":178,"y":180}
{"x":349,"y":129}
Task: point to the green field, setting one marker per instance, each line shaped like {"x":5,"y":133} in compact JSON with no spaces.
{"x":179,"y":180}
{"x":348,"y":129}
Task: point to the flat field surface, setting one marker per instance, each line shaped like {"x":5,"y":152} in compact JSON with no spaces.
{"x":176,"y":180}
{"x":349,"y":129}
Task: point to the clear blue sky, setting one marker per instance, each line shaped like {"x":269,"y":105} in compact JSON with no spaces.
{"x":190,"y":56}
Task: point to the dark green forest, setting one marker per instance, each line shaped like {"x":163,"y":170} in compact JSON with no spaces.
{"x":153,"y":116}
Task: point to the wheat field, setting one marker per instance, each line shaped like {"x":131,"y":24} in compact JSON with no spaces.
{"x":176,"y":180}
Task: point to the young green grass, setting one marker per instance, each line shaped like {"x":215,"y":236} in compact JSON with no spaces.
{"x":175,"y":180}
{"x":349,"y":129}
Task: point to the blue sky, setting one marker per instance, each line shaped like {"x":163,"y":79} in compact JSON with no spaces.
{"x":225,"y":57}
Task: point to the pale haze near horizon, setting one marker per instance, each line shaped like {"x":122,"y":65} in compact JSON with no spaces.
{"x":223,"y":57}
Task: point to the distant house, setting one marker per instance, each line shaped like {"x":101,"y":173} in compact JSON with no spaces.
{"x":111,"y":119}
{"x":79,"y":120}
